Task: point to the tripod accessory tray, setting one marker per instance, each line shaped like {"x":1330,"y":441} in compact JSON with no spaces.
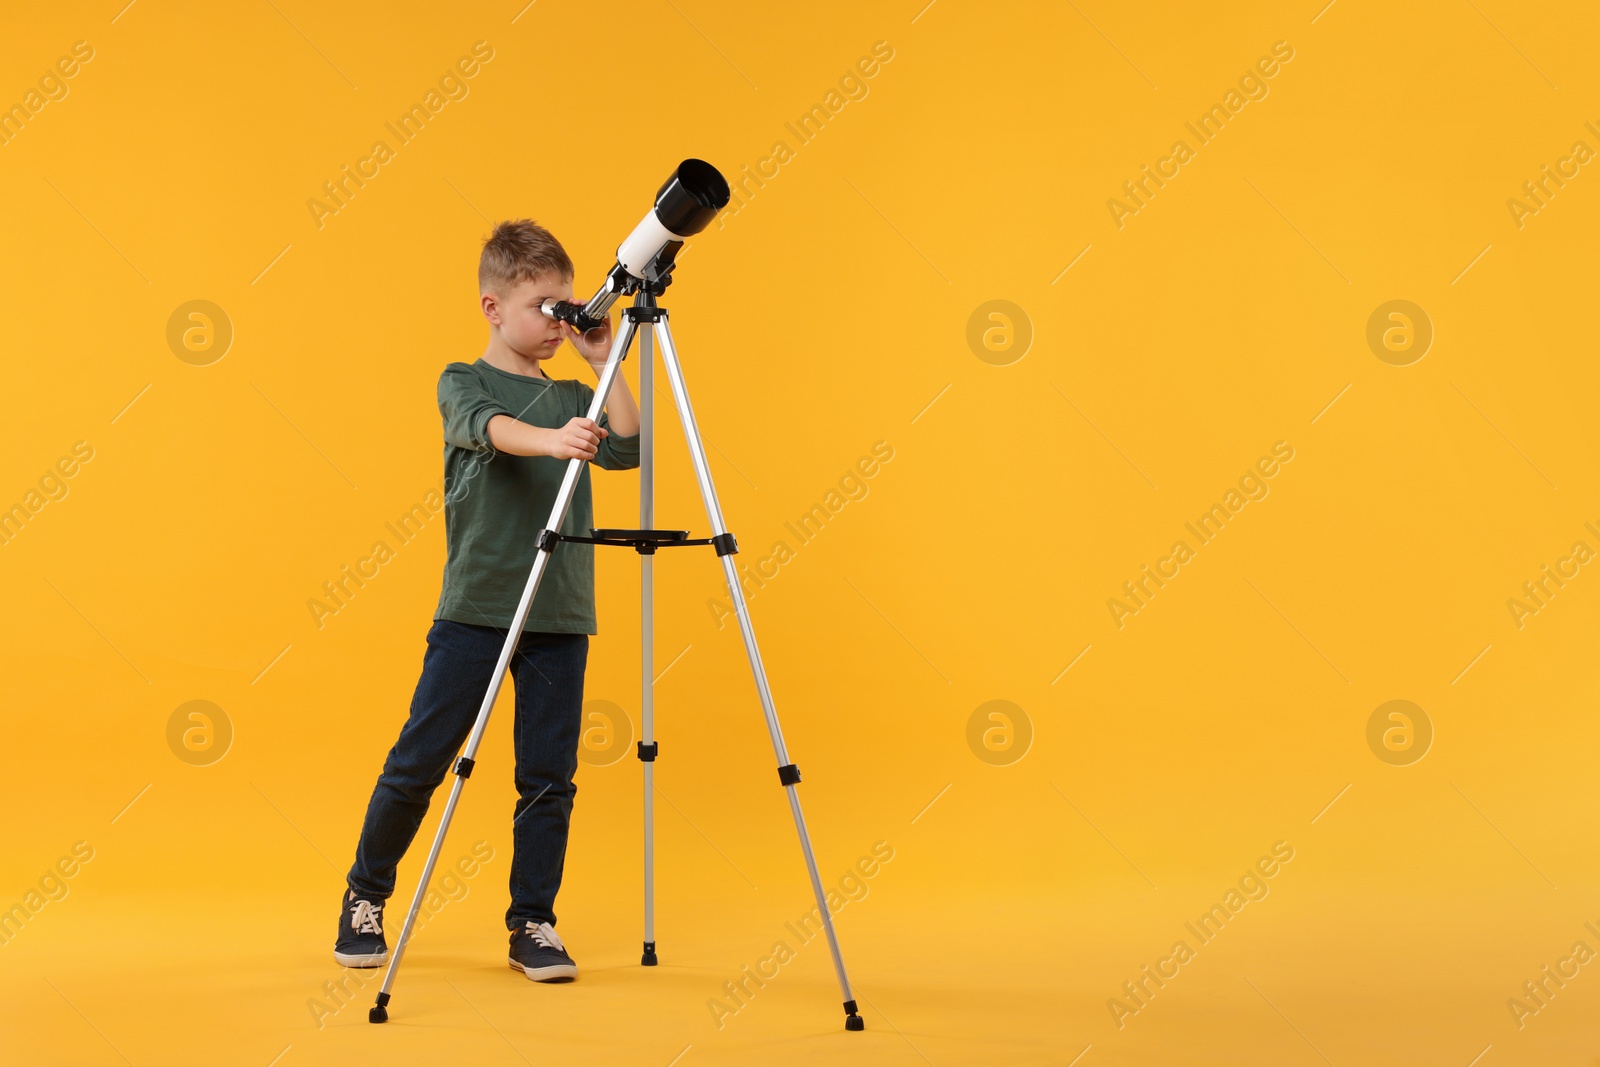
{"x":645,"y":542}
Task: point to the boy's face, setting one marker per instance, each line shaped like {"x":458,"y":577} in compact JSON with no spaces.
{"x":515,"y":313}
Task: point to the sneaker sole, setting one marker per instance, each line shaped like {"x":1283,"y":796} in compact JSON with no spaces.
{"x":371,"y":959}
{"x":555,"y":972}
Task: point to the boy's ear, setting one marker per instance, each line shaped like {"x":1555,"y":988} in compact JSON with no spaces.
{"x":491,"y":307}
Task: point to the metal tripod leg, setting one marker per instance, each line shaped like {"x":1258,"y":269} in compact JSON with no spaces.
{"x":647,"y":737}
{"x":788,"y":773}
{"x":463,"y":765}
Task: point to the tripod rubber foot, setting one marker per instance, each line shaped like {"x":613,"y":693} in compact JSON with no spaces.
{"x":377,"y":1015}
{"x":851,"y":1022}
{"x":649,"y":957}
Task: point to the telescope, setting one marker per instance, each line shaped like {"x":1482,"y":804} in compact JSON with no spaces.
{"x":685,"y":204}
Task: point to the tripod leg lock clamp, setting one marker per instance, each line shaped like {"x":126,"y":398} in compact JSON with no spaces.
{"x":789,"y":774}
{"x":546,"y":541}
{"x":464,"y":767}
{"x":647,"y":753}
{"x":725,"y":544}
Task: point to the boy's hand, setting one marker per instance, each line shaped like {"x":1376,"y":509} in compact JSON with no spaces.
{"x":594,"y":345}
{"x":578,"y":439}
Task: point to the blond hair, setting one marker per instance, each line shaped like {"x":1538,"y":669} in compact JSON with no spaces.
{"x":520,"y":250}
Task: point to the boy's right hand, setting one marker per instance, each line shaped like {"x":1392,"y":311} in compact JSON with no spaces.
{"x":578,"y":439}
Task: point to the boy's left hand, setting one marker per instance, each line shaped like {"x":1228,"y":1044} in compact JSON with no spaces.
{"x":594,"y":346}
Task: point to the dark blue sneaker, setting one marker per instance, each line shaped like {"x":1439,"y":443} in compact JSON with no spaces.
{"x":361,"y":942}
{"x":537,"y":952}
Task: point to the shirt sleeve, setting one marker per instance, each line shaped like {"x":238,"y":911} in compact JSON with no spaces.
{"x":466,"y":407}
{"x":615,"y":453}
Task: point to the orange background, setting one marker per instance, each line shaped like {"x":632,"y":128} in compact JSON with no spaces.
{"x":1041,"y":859}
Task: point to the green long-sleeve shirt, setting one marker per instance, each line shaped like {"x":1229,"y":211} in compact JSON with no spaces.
{"x":496,"y":503}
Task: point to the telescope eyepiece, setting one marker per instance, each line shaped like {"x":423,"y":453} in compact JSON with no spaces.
{"x":573,"y":314}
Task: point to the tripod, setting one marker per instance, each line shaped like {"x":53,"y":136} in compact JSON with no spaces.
{"x":646,"y":313}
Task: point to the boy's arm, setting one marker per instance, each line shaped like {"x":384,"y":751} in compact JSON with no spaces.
{"x":622,"y":412}
{"x":476,"y":420}
{"x":578,"y":439}
{"x":621,"y":451}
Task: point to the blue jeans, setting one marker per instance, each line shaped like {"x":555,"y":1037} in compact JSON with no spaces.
{"x":548,"y":672}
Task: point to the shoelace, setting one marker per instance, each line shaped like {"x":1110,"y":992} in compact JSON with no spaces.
{"x":544,"y":935}
{"x":365,"y":917}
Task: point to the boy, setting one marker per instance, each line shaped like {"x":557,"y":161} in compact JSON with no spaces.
{"x":509,"y":431}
